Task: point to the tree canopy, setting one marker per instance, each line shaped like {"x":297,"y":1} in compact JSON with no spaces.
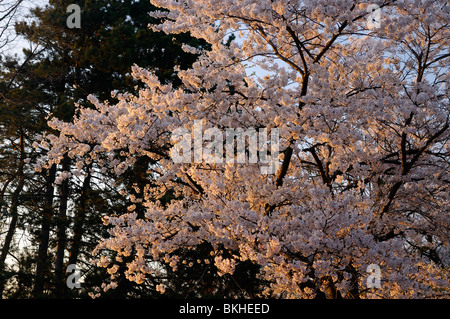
{"x":353,"y":114}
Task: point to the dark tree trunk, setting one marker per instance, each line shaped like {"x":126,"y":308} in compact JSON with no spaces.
{"x":11,"y":230}
{"x":13,"y":213}
{"x":47,"y":214}
{"x":61,"y":232}
{"x":80,"y":215}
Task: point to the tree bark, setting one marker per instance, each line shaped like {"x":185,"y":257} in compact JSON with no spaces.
{"x":11,"y":230}
{"x":61,"y":232}
{"x":80,"y":215}
{"x":14,"y":214}
{"x":47,"y":215}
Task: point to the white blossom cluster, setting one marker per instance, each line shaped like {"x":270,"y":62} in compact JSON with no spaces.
{"x":363,"y":117}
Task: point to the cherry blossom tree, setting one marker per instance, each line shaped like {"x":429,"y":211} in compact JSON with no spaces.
{"x":363,"y":175}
